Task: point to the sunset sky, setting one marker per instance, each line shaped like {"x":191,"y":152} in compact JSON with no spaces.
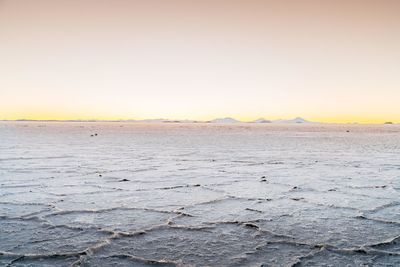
{"x":332,"y":61}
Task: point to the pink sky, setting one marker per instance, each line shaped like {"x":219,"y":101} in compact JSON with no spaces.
{"x":336,"y":61}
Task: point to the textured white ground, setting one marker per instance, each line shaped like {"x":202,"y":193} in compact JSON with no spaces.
{"x":199,"y":194}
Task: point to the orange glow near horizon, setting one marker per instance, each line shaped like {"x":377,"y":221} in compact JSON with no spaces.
{"x":328,"y":61}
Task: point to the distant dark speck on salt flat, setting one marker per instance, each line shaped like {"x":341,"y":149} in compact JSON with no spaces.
{"x":297,"y":198}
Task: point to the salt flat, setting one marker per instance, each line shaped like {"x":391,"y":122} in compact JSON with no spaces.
{"x":171,"y":194}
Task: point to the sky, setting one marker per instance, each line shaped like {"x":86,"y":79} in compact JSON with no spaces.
{"x":330,"y":61}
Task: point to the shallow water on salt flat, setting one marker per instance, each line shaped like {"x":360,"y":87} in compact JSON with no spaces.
{"x":173,"y":194}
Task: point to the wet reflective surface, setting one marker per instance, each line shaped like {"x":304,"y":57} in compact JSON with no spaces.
{"x":199,"y":194}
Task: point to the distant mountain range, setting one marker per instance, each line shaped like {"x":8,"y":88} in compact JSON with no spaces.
{"x":295,"y":120}
{"x":260,"y":120}
{"x":226,"y":120}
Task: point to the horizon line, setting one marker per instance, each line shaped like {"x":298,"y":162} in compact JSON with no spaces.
{"x":220,"y":120}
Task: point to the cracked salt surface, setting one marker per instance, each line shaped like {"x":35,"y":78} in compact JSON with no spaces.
{"x":199,"y":195}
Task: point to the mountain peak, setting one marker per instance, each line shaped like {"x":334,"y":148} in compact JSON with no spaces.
{"x":295,"y":120}
{"x":299,"y":120}
{"x":262,"y":120}
{"x":224,"y":120}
